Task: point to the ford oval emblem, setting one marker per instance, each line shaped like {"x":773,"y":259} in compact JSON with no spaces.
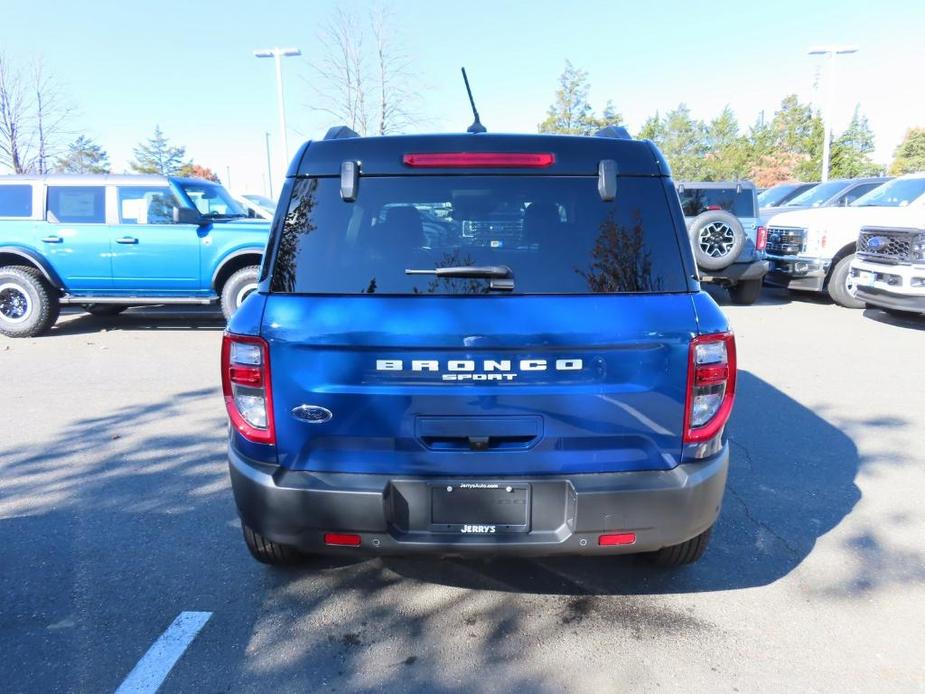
{"x":313,"y":414}
{"x":876,"y":242}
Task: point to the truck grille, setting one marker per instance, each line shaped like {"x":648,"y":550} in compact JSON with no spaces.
{"x":886,"y":246}
{"x":785,"y":241}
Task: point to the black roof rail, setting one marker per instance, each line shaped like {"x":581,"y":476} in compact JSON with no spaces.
{"x":618,"y":132}
{"x":340,"y":132}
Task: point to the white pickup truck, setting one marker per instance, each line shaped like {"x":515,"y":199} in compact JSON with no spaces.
{"x":813,"y":249}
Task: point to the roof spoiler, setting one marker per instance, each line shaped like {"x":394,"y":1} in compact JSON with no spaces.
{"x":617,"y":132}
{"x":340,"y":132}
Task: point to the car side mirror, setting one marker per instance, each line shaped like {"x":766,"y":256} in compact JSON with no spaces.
{"x":187,"y":215}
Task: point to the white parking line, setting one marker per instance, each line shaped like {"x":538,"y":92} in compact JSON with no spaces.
{"x":156,"y":664}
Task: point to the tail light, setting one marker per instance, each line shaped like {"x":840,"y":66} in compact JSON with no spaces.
{"x":711,"y":380}
{"x":761,"y":240}
{"x":246,"y":384}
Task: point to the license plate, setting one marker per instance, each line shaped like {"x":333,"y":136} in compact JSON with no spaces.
{"x":865,"y":278}
{"x":479,"y":508}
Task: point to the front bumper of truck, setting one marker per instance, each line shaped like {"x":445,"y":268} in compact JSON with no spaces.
{"x":886,"y":285}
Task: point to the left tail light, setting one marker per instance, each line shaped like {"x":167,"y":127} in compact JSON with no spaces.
{"x":761,"y":240}
{"x":247,"y":389}
{"x":711,"y":382}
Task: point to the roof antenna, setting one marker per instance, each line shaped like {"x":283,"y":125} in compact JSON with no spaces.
{"x":476,"y":126}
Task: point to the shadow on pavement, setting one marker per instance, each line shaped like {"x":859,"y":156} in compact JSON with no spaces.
{"x":909,"y":321}
{"x":74,"y":321}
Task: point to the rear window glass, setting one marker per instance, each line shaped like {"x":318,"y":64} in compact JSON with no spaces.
{"x":695,"y":201}
{"x":76,"y":205}
{"x":16,"y":201}
{"x":554,"y":233}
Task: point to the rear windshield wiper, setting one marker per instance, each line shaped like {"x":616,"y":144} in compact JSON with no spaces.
{"x":501,"y":276}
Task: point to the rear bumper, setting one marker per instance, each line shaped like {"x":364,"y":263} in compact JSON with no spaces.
{"x":737,"y":272}
{"x":565,"y":515}
{"x":798,"y":272}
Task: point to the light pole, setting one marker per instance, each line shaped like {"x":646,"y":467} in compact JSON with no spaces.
{"x":829,"y":52}
{"x":277,"y":54}
{"x":269,"y":168}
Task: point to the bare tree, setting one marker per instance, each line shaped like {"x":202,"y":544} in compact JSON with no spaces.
{"x":15,"y":117}
{"x":33,"y":118}
{"x":362,"y":78}
{"x":397,"y":98}
{"x":52,"y":113}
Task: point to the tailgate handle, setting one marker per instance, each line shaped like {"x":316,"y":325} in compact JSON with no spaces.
{"x":478,"y":433}
{"x":477,"y":443}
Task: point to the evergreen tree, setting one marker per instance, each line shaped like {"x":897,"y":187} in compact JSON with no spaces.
{"x":909,"y":156}
{"x":851,"y":151}
{"x":83,"y":155}
{"x":157,"y":156}
{"x":570,"y":113}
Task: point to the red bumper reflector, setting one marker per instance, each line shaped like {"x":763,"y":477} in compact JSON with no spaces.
{"x":480,"y":160}
{"x":617,"y":539}
{"x":342,"y":539}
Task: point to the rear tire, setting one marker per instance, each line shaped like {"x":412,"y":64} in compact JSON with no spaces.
{"x":840,"y":287}
{"x":103,"y":309}
{"x":28,"y":305}
{"x":239,"y":286}
{"x":268,"y":552}
{"x":746,"y":292}
{"x":684,"y":553}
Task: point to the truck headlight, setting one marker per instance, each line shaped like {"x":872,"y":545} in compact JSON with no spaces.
{"x":918,"y":248}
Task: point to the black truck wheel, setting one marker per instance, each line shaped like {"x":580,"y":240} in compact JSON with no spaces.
{"x":717,"y":238}
{"x":28,"y":305}
{"x":239,"y":286}
{"x":269,"y":552}
{"x":684,"y":553}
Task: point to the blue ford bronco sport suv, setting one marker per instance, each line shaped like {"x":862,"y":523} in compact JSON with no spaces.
{"x":477,"y":343}
{"x":109,"y":242}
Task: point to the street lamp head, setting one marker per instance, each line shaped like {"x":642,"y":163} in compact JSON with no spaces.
{"x":832,"y":50}
{"x":273,"y":52}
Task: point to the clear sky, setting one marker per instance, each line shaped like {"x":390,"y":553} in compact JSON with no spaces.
{"x":188,"y":65}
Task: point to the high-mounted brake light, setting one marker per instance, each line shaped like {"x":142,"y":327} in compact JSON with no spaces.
{"x":246,"y":385}
{"x":711,"y":380}
{"x":761,"y":240}
{"x":480,"y":160}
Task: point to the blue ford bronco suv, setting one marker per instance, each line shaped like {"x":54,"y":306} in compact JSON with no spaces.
{"x":477,"y":343}
{"x":108,"y":242}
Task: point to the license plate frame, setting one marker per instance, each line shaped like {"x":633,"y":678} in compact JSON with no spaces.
{"x":479,"y":508}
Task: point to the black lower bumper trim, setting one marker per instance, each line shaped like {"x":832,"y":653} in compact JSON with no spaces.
{"x":899,"y":302}
{"x":566,"y":515}
{"x":737,"y":272}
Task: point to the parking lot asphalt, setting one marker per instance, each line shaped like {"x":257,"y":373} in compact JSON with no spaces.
{"x":116,"y":516}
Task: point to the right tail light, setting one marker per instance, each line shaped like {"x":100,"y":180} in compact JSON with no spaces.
{"x":711,"y":381}
{"x":761,"y":240}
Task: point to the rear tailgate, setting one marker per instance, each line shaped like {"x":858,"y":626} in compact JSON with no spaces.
{"x":500,"y":385}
